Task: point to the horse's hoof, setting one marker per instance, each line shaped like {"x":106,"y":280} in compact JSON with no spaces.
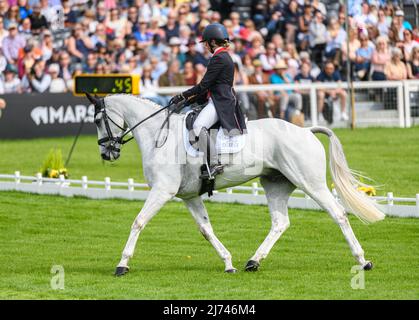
{"x":252,"y":265}
{"x":368,"y":266}
{"x":120,"y":271}
{"x":234,"y":270}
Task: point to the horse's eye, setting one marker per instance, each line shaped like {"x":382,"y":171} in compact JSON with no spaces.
{"x":97,"y":121}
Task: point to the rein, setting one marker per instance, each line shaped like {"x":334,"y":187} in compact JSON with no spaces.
{"x":120,"y":139}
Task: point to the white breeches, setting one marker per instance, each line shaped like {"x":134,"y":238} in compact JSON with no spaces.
{"x":206,"y":118}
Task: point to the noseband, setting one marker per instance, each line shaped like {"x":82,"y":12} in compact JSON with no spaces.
{"x":110,"y":138}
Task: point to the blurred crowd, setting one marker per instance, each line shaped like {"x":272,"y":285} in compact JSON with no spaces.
{"x":44,"y":43}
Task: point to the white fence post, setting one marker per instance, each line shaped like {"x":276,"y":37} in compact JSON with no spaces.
{"x":84,"y":183}
{"x":130,"y":184}
{"x":107,"y":184}
{"x":390,"y":199}
{"x":17,"y":177}
{"x":400,"y":107}
{"x":255,"y":188}
{"x":39,"y":179}
{"x":229,"y":190}
{"x":417,"y":203}
{"x":313,"y":106}
{"x":408,"y":116}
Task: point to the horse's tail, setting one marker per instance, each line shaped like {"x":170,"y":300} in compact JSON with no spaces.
{"x":346,"y":183}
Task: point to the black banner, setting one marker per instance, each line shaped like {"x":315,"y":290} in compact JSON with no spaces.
{"x":44,"y":115}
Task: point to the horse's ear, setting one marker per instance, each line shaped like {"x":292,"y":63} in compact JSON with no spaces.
{"x":94,"y":100}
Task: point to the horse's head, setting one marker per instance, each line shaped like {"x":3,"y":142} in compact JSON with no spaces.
{"x":110,"y":126}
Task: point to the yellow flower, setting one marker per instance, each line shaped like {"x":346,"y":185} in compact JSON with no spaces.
{"x":53,"y":173}
{"x":370,"y":191}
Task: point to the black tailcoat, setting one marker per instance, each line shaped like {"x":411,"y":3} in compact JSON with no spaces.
{"x":218,"y":81}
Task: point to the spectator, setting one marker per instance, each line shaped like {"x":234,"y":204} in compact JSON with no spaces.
{"x":25,"y":29}
{"x":142,"y":35}
{"x":236,"y":27}
{"x":99,"y":37}
{"x":189,"y":74}
{"x":199,"y":71}
{"x":12,"y":16}
{"x":11,"y":83}
{"x":408,"y":44}
{"x":4,"y":7}
{"x":36,"y":80}
{"x":365,"y":17}
{"x":3,"y":32}
{"x":380,"y":58}
{"x":256,"y":48}
{"x":248,"y":66}
{"x":24,"y":9}
{"x":79,"y":44}
{"x":118,"y":24}
{"x":65,"y":67}
{"x":149,"y":86}
{"x":12,"y":44}
{"x":132,"y":18}
{"x":317,"y":33}
{"x":176,"y":53}
{"x":303,"y":26}
{"x":193,"y":55}
{"x":46,"y":45}
{"x":70,"y":15}
{"x":172,"y":77}
{"x":58,"y":84}
{"x":354,"y":45}
{"x":401,"y":24}
{"x":90,"y":64}
{"x":269,"y":59}
{"x":304,"y":76}
{"x":363,"y":58}
{"x":38,"y":21}
{"x":284,"y":97}
{"x":329,"y":74}
{"x":171,"y":29}
{"x":396,"y":69}
{"x":264,"y":98}
{"x":336,"y":37}
{"x":383,"y":23}
{"x":291,"y":21}
{"x":413,"y":64}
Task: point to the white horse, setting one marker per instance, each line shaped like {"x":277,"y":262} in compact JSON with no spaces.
{"x":290,"y":157}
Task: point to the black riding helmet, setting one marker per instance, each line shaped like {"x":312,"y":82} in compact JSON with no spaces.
{"x":215,"y":31}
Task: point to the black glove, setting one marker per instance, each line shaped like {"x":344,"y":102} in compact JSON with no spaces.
{"x":176,"y":99}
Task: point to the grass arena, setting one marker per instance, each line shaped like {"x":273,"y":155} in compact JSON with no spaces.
{"x":310,"y":261}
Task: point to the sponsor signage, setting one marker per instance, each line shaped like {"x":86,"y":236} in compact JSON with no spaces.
{"x":45,"y":115}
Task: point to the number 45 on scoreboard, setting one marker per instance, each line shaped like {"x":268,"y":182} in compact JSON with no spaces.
{"x":103,"y":84}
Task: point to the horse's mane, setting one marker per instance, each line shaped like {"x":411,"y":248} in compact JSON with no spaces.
{"x":138,"y":99}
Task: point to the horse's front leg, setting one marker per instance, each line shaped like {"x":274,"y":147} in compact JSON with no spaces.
{"x":155,"y":200}
{"x":199,"y":213}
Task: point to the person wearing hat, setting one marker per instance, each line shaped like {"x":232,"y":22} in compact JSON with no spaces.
{"x":222,"y":106}
{"x":11,"y":82}
{"x":284,"y":97}
{"x":12,"y":43}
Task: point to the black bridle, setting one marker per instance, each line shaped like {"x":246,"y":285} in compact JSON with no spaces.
{"x":114,"y":141}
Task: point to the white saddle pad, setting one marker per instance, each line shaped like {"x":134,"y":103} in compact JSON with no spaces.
{"x":224,"y":144}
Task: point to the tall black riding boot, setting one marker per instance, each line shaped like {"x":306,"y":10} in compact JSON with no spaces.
{"x":206,"y":145}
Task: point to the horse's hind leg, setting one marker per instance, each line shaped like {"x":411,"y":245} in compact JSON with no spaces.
{"x":277,"y":192}
{"x":326,"y":200}
{"x":199,"y":213}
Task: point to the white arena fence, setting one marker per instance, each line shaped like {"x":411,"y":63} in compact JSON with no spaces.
{"x":107,"y":189}
{"x":377,"y":103}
